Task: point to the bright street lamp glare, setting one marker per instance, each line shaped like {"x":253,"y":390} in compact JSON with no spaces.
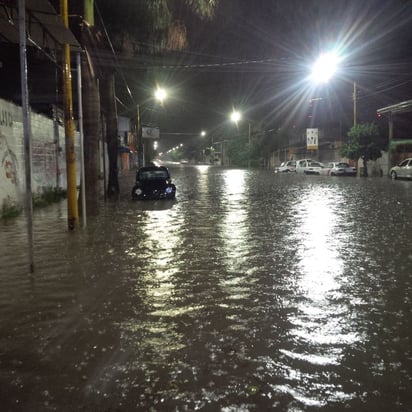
{"x":235,"y":116}
{"x":325,"y":67}
{"x":202,"y":133}
{"x":160,"y":94}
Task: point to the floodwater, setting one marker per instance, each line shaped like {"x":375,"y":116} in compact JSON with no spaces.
{"x":252,"y":291}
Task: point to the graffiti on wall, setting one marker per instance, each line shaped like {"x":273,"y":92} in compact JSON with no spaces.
{"x":48,"y":169}
{"x":8,"y":161}
{"x":6,"y":118}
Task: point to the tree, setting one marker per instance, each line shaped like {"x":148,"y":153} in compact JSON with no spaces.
{"x":108,"y":97}
{"x":363,"y":142}
{"x":91,"y":124}
{"x":238,"y":151}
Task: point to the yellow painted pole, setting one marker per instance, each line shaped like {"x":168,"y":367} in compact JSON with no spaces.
{"x":72,"y":209}
{"x":89,"y":11}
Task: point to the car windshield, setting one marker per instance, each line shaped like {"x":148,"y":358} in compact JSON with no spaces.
{"x":342,"y":165}
{"x":315,"y":164}
{"x":153,"y":174}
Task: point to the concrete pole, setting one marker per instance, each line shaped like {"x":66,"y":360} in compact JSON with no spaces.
{"x":355,"y":101}
{"x":139,"y":145}
{"x":26,"y":129}
{"x":81,"y":133}
{"x":250,"y":145}
{"x":390,"y":115}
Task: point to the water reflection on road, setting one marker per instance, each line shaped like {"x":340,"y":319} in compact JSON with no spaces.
{"x":252,"y":291}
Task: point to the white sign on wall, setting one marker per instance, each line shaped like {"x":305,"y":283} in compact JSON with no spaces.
{"x":150,"y":132}
{"x":312,"y":139}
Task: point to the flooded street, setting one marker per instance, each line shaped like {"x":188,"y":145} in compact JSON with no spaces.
{"x":253,"y":291}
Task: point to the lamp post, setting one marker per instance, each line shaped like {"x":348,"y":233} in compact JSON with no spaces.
{"x":235,"y":117}
{"x":160,"y":94}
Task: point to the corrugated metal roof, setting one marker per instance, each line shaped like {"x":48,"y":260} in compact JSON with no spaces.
{"x":44,"y":27}
{"x":405,"y":106}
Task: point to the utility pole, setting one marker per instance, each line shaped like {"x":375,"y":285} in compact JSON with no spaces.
{"x":72,"y":208}
{"x":355,"y":98}
{"x":250,"y":146}
{"x":26,"y":129}
{"x":139,"y":140}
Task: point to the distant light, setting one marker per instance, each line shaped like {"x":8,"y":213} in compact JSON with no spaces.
{"x":325,"y":67}
{"x":235,"y":116}
{"x":160,"y":94}
{"x":202,"y":133}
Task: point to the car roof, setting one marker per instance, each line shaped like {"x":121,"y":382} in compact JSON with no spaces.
{"x":151,"y":168}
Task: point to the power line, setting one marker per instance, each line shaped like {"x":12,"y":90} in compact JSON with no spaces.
{"x":114,"y":52}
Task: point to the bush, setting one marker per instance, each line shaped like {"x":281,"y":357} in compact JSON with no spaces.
{"x":47,"y":196}
{"x":9,"y":209}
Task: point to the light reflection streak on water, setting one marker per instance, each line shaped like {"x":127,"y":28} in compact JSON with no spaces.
{"x":234,"y":224}
{"x":156,"y":332}
{"x":320,"y":325}
{"x":235,"y":234}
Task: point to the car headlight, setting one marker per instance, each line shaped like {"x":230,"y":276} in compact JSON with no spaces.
{"x":138,"y":191}
{"x":169,"y":189}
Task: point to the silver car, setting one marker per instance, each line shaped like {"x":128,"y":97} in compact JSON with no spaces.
{"x":402,"y":170}
{"x":339,"y":169}
{"x":286,"y":167}
{"x":309,"y":167}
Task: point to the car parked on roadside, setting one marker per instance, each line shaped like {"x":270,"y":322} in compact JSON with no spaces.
{"x":153,"y":182}
{"x":286,"y":167}
{"x":403,"y":170}
{"x":339,"y":169}
{"x":309,"y":167}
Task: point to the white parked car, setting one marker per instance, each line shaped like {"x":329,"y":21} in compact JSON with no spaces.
{"x":402,"y":170}
{"x":339,"y":169}
{"x":286,"y":167}
{"x":309,"y":167}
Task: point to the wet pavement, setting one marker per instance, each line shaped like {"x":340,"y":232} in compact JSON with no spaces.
{"x":253,"y":291}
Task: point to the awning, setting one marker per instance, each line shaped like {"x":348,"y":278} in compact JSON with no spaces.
{"x":44,"y":27}
{"x":401,"y":107}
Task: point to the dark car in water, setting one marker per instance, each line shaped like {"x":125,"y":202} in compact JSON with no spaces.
{"x":153,"y":182}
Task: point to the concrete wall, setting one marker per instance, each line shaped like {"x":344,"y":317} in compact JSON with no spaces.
{"x":48,"y":154}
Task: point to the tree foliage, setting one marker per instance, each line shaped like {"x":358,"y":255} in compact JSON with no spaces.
{"x":363,"y":142}
{"x":143,"y":27}
{"x":238,"y":152}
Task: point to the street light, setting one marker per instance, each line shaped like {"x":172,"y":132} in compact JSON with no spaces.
{"x":160,"y":94}
{"x":324,"y":68}
{"x":235,"y":116}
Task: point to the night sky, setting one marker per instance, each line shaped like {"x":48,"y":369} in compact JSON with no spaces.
{"x":255,"y":56}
